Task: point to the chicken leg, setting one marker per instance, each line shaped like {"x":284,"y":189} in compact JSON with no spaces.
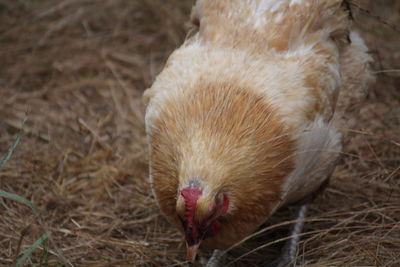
{"x":289,"y":251}
{"x":216,"y":260}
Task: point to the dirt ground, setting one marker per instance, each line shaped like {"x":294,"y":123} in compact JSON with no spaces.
{"x":76,"y":70}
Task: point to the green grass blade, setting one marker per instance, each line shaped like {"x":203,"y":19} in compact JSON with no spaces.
{"x":17,"y":198}
{"x":29,"y":251}
{"x":9,"y":152}
{"x":3,"y":162}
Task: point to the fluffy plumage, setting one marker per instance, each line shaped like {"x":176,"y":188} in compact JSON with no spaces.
{"x":252,"y":108}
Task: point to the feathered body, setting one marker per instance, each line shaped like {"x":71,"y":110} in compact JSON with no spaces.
{"x":248,"y":114}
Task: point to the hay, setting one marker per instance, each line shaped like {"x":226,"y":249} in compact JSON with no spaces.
{"x":76,"y":70}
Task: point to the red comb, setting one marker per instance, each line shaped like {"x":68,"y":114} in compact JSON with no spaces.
{"x":190,"y":195}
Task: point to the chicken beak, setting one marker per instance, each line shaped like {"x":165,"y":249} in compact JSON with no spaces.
{"x":192,"y":251}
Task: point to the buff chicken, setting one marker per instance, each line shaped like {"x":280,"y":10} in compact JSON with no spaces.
{"x":250,"y":114}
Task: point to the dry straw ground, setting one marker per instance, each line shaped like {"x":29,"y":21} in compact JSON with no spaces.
{"x":76,"y":70}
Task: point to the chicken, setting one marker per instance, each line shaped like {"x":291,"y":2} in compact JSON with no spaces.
{"x":250,"y":113}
